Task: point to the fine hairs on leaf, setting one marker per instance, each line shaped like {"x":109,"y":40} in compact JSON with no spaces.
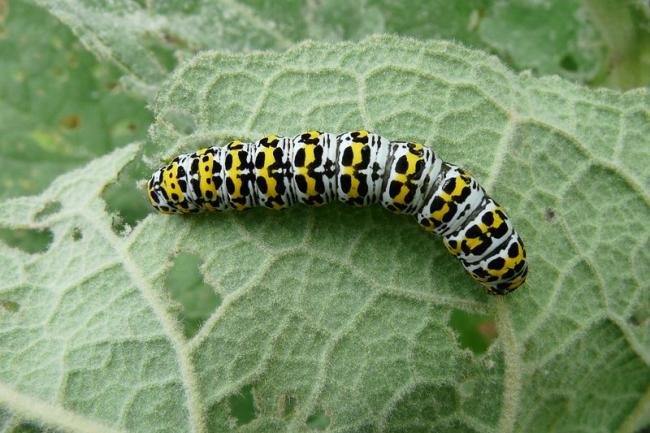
{"x":337,"y":318}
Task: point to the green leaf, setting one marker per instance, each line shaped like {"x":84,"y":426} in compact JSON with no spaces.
{"x":547,"y":37}
{"x":566,"y":37}
{"x":59,"y":108}
{"x":340,"y":318}
{"x":146,"y":40}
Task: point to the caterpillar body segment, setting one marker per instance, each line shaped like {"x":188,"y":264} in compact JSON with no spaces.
{"x":273,"y":172}
{"x":361,"y":159}
{"x":314,"y":162}
{"x":359,"y":168}
{"x":411,"y":174}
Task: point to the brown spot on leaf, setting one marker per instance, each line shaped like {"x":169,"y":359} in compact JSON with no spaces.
{"x":71,"y":121}
{"x":488,"y":329}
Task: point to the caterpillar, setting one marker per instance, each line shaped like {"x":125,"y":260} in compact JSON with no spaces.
{"x":359,"y":168}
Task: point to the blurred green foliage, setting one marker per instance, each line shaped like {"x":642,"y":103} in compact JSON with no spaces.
{"x":59,"y":106}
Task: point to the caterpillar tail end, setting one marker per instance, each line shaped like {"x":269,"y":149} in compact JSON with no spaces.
{"x":505,"y":287}
{"x":507,"y":268}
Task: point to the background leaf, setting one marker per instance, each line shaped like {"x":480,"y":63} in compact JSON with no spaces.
{"x":580,"y":40}
{"x":339,"y":318}
{"x":59,"y":107}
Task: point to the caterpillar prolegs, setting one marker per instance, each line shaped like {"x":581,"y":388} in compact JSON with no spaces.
{"x":359,"y":168}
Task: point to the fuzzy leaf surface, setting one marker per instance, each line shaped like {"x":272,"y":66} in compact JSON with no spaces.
{"x":340,"y":318}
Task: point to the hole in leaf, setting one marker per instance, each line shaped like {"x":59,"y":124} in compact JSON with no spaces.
{"x":242,"y":406}
{"x":318,"y":420}
{"x":186,"y":286}
{"x":549,"y":215}
{"x":26,"y":428}
{"x":119,"y":225}
{"x":287,"y":405}
{"x":568,"y":63}
{"x":475,"y":331}
{"x":29,"y":240}
{"x":50,"y":208}
{"x":8,"y":305}
{"x":76,"y":234}
{"x":124,"y":200}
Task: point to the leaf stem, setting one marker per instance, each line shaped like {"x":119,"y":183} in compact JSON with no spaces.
{"x":512,"y":359}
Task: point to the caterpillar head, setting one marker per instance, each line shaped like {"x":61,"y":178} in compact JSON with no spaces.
{"x":167,"y":189}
